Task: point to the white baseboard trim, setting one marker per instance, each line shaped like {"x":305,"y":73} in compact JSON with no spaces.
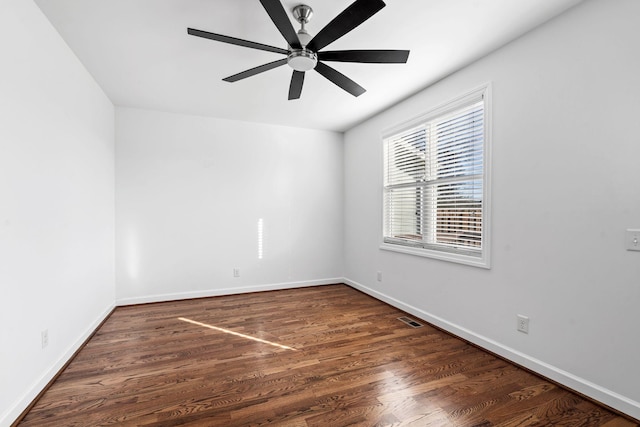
{"x":225,"y":291}
{"x":567,"y":379}
{"x":15,"y":410}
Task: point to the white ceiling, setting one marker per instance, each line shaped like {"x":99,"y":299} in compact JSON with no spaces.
{"x":140,"y":54}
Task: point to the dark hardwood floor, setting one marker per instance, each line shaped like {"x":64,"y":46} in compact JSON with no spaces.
{"x":322,"y":356}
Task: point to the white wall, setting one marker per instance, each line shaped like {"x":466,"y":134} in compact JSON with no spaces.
{"x":56,"y":204}
{"x":191,"y":190}
{"x":566,"y":184}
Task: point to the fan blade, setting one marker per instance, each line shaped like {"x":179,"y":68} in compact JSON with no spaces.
{"x":295,"y":88}
{"x":233,"y":40}
{"x":279,"y":17}
{"x":256,"y":70}
{"x":368,"y":56}
{"x":340,"y":79}
{"x":350,"y":18}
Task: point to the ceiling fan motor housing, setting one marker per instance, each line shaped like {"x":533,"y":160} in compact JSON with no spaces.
{"x":302,"y":59}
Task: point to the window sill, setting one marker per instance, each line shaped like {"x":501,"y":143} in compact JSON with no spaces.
{"x":482,"y":262}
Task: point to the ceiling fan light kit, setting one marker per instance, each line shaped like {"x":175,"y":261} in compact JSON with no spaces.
{"x":304,"y":51}
{"x":302,"y":60}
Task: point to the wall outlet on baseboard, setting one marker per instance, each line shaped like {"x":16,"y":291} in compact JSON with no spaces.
{"x":379,"y":276}
{"x":523,"y":324}
{"x":44,"y":336}
{"x":236,"y":272}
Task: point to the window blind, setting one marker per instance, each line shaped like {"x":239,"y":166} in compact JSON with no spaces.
{"x":433,"y":182}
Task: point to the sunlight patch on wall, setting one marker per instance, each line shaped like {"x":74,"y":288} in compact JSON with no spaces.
{"x":260,"y":238}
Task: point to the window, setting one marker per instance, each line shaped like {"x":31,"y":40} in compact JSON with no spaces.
{"x":435,"y":183}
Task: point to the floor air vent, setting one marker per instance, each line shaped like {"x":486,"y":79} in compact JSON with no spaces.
{"x":410,"y":322}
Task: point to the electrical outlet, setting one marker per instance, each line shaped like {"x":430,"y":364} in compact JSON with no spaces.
{"x":523,"y":324}
{"x":236,"y":272}
{"x":379,"y":276}
{"x":44,"y":335}
{"x":632,"y":238}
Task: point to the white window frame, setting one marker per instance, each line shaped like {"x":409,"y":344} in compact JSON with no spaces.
{"x":481,"y":259}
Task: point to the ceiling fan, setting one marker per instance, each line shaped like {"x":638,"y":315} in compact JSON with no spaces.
{"x":304,"y":51}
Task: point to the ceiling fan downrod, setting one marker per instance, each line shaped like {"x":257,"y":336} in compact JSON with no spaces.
{"x":302,"y":59}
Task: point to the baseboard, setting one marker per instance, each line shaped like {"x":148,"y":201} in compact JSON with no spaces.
{"x":18,"y":407}
{"x":225,"y":291}
{"x":593,"y":391}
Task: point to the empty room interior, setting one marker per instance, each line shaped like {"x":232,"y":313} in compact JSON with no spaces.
{"x":133,"y":177}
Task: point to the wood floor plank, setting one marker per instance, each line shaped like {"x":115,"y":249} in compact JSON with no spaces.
{"x":319,"y":356}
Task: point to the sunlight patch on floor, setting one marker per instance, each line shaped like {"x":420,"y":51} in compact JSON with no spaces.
{"x":237,"y":334}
